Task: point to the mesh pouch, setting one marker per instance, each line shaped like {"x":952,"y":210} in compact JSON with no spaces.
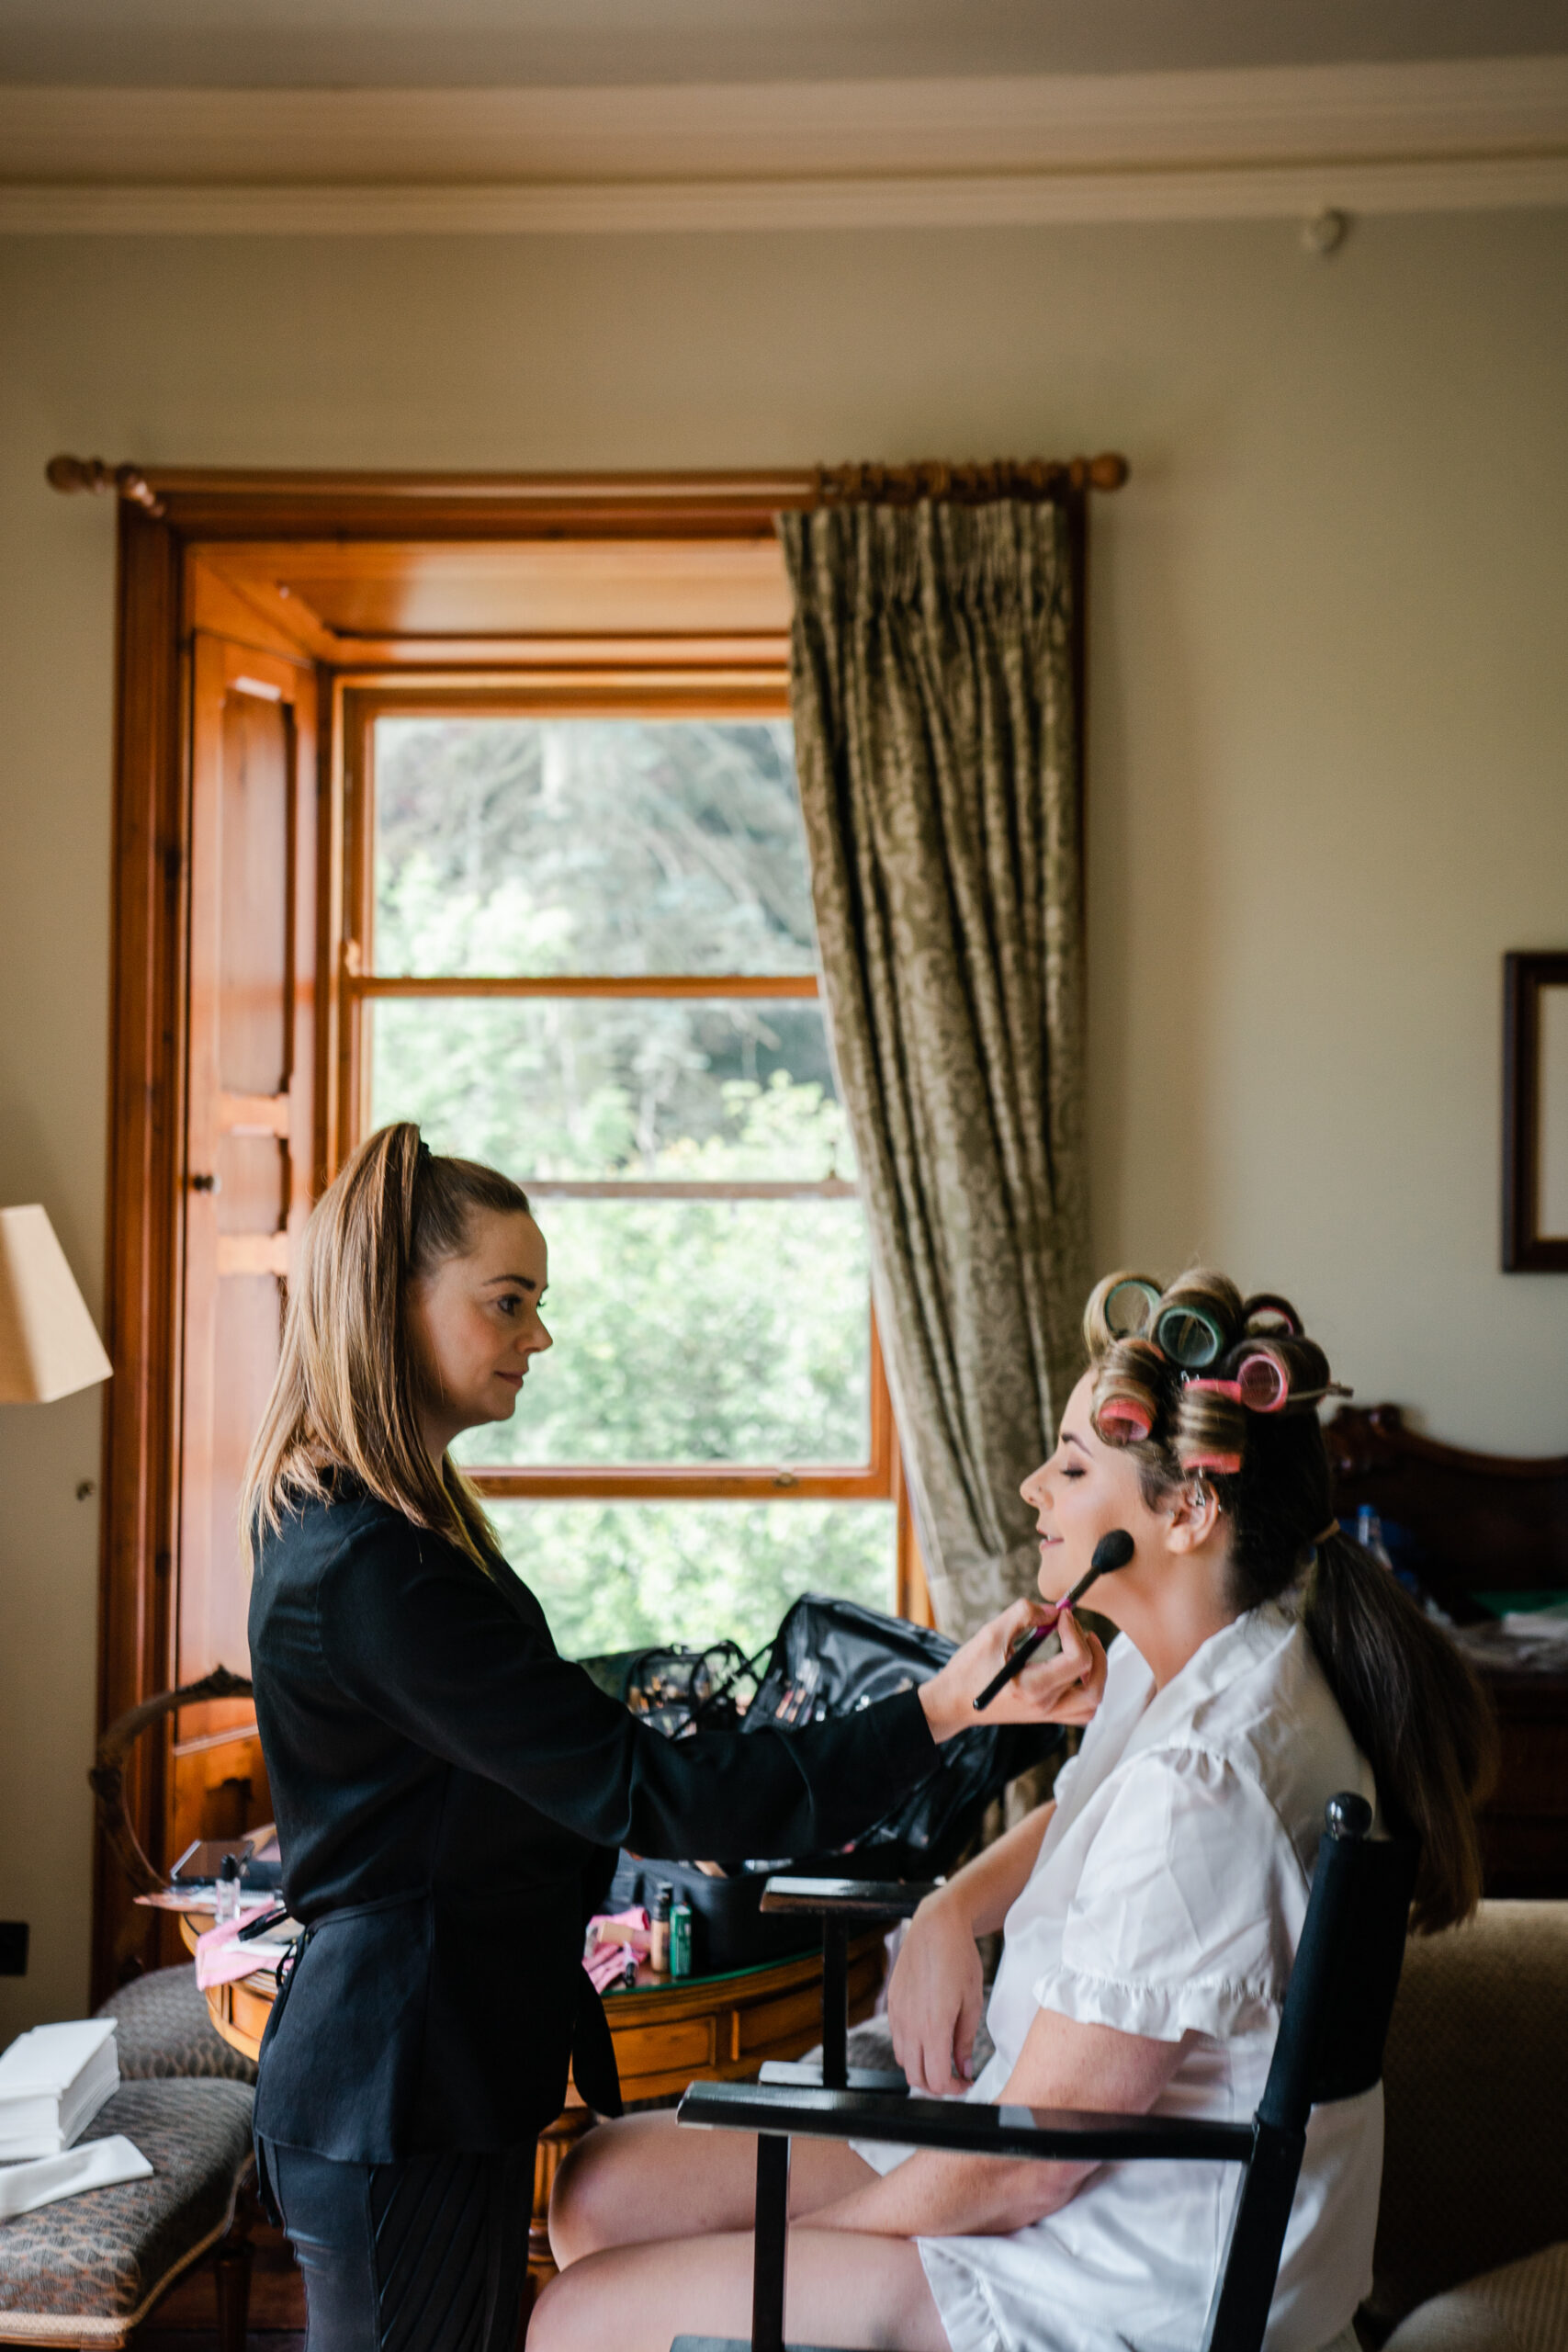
{"x":678,"y":1689}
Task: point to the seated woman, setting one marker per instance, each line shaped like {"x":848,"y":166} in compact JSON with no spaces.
{"x":1151,"y":1911}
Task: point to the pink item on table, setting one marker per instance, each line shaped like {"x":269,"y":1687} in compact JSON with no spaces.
{"x":620,"y":1928}
{"x":615,"y":1941}
{"x":219,"y":1960}
{"x":607,"y":1965}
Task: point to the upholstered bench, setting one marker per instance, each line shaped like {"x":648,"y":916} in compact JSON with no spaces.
{"x":163,"y":2028}
{"x":86,"y":2270}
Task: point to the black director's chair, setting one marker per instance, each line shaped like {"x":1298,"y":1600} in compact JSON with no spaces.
{"x":843,"y":1905}
{"x":1329,"y":2046}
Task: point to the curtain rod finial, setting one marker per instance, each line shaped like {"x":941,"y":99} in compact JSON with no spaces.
{"x":66,"y":474}
{"x":1107,"y":471}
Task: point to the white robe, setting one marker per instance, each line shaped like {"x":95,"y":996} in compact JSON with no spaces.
{"x":1168,"y":1898}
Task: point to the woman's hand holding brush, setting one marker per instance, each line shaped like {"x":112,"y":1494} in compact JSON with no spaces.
{"x":1113,"y":1551}
{"x":1066,"y":1688}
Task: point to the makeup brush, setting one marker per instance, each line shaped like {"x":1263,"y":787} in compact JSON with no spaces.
{"x":1113,"y":1551}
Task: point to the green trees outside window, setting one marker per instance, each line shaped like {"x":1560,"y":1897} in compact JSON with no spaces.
{"x":686,"y":1152}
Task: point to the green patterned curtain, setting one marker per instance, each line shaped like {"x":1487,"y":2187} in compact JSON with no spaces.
{"x":933,"y":669}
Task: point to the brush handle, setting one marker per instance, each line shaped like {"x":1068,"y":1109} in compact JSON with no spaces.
{"x":1043,"y":1642}
{"x":1016,"y":1658}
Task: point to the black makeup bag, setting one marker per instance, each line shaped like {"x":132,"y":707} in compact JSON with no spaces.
{"x":829,"y":1657}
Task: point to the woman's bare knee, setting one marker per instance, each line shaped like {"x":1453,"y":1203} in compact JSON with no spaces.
{"x":843,"y":2290}
{"x":642,"y":2180}
{"x":558,"y":2321}
{"x":632,"y":2182}
{"x":583,"y":2199}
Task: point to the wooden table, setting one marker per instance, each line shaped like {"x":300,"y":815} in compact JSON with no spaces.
{"x":666,"y":2034}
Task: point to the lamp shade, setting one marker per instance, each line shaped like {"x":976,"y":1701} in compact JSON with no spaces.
{"x":48,"y":1344}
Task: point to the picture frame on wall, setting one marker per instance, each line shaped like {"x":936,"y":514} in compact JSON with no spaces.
{"x":1535,"y":1111}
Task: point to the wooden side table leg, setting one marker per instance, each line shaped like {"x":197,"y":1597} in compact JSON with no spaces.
{"x":554,"y":2143}
{"x":232,"y":2270}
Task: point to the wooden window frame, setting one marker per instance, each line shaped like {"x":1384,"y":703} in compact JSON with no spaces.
{"x":359,"y":704}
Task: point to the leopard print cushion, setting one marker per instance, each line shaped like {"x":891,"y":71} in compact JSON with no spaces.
{"x":87,"y":2268}
{"x":163,"y":2028}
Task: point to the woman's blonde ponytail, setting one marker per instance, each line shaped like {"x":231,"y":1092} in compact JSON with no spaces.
{"x":347,"y":1393}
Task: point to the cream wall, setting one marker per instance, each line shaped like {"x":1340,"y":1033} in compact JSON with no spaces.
{"x":1329,"y":764}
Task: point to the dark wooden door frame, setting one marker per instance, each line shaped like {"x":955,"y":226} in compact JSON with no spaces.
{"x":143,"y":1270}
{"x":162,"y":512}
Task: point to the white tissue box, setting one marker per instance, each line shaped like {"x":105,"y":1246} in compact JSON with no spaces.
{"x":53,"y":2082}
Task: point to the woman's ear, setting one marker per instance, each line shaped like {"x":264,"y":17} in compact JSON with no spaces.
{"x":1194,"y":1515}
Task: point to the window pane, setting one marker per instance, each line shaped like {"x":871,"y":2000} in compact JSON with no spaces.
{"x":512,"y":845}
{"x":699,"y":1331}
{"x":615,"y":1576}
{"x":596,"y":1088}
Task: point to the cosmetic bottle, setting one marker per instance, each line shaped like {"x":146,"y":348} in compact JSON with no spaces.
{"x":680,"y":1940}
{"x":227,"y":1891}
{"x":658,"y":1931}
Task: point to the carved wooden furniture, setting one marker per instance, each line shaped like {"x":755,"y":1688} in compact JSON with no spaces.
{"x":163,"y":2028}
{"x":1482,"y":1522}
{"x":106,"y":1778}
{"x":220,"y":1791}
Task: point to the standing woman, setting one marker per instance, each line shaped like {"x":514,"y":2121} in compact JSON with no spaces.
{"x":449,"y":1792}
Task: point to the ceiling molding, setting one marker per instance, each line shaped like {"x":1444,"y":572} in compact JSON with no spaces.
{"x":1250,"y":143}
{"x":974,"y":202}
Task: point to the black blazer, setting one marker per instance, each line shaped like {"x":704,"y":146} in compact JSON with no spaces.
{"x":450,"y":1793}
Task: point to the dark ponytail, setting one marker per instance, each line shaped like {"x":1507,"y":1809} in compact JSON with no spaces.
{"x":1411,"y":1704}
{"x":1415,"y":1712}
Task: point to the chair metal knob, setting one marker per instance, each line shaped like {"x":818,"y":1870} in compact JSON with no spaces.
{"x":1349,"y":1815}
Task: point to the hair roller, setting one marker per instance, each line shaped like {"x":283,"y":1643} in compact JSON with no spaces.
{"x":1121,"y":1308}
{"x":1211,"y":1428}
{"x":1130,"y":1393}
{"x":1269,"y":1303}
{"x":1302,"y":1361}
{"x":1199,"y":1318}
{"x":1256,"y":1376}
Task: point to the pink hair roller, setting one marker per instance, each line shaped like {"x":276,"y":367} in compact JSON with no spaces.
{"x":1131,"y":1421}
{"x":1261,"y":1384}
{"x":1227,"y":1464}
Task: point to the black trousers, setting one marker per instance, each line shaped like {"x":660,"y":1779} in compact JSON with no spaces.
{"x":428,"y":2255}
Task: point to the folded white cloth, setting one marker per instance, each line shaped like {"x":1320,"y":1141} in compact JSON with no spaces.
{"x":96,"y":2164}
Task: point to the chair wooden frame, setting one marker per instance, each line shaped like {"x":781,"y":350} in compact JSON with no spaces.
{"x":106,"y":1778}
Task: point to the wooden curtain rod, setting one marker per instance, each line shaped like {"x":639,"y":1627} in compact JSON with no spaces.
{"x":1033,"y":478}
{"x":219,"y":498}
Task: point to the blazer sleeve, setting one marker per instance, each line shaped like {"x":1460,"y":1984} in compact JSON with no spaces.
{"x":420,"y":1639}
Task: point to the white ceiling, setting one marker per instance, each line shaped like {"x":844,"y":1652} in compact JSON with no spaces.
{"x":417,"y":44}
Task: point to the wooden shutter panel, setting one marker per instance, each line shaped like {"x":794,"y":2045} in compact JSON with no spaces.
{"x":249,"y":1154}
